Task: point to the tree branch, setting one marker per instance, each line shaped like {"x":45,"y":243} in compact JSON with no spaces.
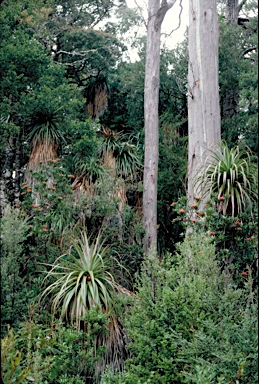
{"x":240,"y":6}
{"x":75,"y":53}
{"x":141,"y":12}
{"x":170,"y":3}
{"x":247,"y":51}
{"x":179,"y":22}
{"x":165,"y":6}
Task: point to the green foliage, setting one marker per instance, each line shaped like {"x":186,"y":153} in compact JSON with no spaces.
{"x":15,"y":292}
{"x":53,"y":354}
{"x":36,"y":100}
{"x":173,"y":138}
{"x":188,"y":323}
{"x":231,"y":175}
{"x":81,"y":281}
{"x":82,"y":146}
{"x":171,"y":180}
{"x":184,"y":320}
{"x":238,"y":79}
{"x":127,"y":248}
{"x":92,"y":169}
{"x":21,"y":67}
{"x":235,"y":238}
{"x":45,"y":126}
{"x":126,"y":154}
{"x":12,"y":369}
{"x":50,"y":202}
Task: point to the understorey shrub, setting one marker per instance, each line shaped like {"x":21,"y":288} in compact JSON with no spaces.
{"x":188,"y":324}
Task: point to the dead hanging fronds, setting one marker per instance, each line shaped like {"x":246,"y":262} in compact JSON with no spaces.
{"x":121,"y":194}
{"x":139,"y":206}
{"x":96,"y":98}
{"x":45,"y":136}
{"x":109,"y":162}
{"x":83,"y":184}
{"x":88,"y":173}
{"x":115,"y":342}
{"x":108,"y":134}
{"x":41,"y":153}
{"x":118,"y":151}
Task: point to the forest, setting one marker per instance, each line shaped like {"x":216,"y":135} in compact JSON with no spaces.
{"x":128,"y":193}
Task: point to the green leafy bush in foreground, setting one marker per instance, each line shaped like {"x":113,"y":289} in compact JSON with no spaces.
{"x":188,"y":325}
{"x":52,"y":354}
{"x":15,"y":293}
{"x":235,"y":238}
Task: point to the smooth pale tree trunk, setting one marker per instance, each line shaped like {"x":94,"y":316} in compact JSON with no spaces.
{"x":156,"y":13}
{"x":203,"y":88}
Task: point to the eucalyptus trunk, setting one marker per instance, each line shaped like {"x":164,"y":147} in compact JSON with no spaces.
{"x":203,"y":88}
{"x":156,"y":13}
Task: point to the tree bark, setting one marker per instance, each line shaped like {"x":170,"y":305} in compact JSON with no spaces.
{"x":233,"y":7}
{"x":156,"y":13}
{"x":203,"y":88}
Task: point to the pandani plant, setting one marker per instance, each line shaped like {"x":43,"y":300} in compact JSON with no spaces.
{"x":122,"y":159}
{"x":230,"y":175}
{"x":45,"y":136}
{"x":81,"y":280}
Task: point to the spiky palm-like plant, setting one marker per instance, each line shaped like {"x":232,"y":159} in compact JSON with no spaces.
{"x":82,"y":280}
{"x":122,"y":160}
{"x":89,"y":171}
{"x":119,"y":154}
{"x":127,"y":160}
{"x":45,"y":135}
{"x":96,"y":97}
{"x":231,"y":175}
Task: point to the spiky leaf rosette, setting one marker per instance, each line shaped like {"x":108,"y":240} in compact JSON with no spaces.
{"x":119,"y":154}
{"x":45,"y":135}
{"x":82,"y":280}
{"x":231,"y":175}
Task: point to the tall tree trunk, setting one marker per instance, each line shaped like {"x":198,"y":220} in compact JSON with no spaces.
{"x":203,"y":88}
{"x":156,"y":13}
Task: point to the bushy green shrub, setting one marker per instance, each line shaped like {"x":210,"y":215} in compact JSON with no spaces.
{"x":12,"y":369}
{"x":235,"y":238}
{"x":53,"y":353}
{"x":186,"y":318}
{"x":15,"y":292}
